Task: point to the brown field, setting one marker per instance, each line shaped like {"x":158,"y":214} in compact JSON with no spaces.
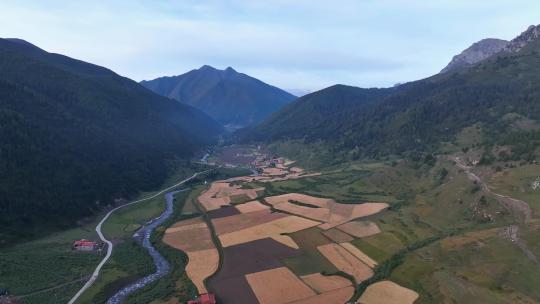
{"x":278,"y":286}
{"x":359,"y":254}
{"x":252,"y":206}
{"x":230,"y":284}
{"x":322,"y":284}
{"x":272,"y":229}
{"x":326,"y":210}
{"x":387,"y":292}
{"x":242,"y":221}
{"x":202,"y":264}
{"x":219,"y":194}
{"x":193,"y":237}
{"x":223,"y":212}
{"x":360,"y":228}
{"x":337,"y":236}
{"x":337,"y":296}
{"x":182,"y":234}
{"x":346,"y":261}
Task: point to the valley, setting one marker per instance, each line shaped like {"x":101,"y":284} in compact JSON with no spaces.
{"x":410,"y":174}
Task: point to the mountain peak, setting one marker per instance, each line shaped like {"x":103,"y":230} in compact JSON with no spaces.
{"x":207,"y":68}
{"x":532,"y":33}
{"x":232,"y":98}
{"x":23,"y":43}
{"x":475,"y":53}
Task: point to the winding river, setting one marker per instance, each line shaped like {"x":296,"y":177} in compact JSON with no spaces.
{"x":159,"y":261}
{"x":143,"y":236}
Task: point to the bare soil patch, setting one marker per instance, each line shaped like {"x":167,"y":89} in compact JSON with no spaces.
{"x":346,"y":261}
{"x":278,"y":286}
{"x":252,"y":206}
{"x":219,"y":194}
{"x":181,"y":236}
{"x":230,"y":284}
{"x":387,"y":292}
{"x":244,"y":220}
{"x":193,"y":237}
{"x":360,"y":228}
{"x":329,"y":212}
{"x":273,"y":229}
{"x":202,"y":264}
{"x":321,"y":283}
{"x":223,"y":212}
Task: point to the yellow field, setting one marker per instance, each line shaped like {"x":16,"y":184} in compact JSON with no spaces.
{"x":387,"y":292}
{"x":360,"y":228}
{"x":278,"y":286}
{"x":272,"y":229}
{"x":346,"y":261}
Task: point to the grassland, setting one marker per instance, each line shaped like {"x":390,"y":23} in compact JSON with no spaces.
{"x":47,"y":270}
{"x":517,"y":182}
{"x":434,"y":204}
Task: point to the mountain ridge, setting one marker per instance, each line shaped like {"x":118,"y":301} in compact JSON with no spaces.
{"x":477,"y":52}
{"x":230,"y":97}
{"x":418,"y":117}
{"x":75,"y":136}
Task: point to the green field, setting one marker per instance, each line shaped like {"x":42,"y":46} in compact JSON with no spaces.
{"x":47,"y":270}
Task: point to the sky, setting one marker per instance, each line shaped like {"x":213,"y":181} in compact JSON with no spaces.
{"x":300,"y":45}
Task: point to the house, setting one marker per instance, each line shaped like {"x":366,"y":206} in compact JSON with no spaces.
{"x":83,"y":245}
{"x":207,"y":298}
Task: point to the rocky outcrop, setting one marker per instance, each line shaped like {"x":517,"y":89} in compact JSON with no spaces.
{"x":477,"y":52}
{"x":518,"y":43}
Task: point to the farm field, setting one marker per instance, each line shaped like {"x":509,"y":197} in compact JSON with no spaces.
{"x":282,"y":248}
{"x":431,"y":212}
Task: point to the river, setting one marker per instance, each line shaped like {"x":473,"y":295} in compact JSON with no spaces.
{"x":143,"y":236}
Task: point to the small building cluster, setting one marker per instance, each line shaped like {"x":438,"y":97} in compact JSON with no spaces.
{"x":84,"y":245}
{"x":207,"y":298}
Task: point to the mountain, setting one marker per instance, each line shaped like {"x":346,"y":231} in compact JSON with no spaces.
{"x":233,"y":99}
{"x":75,"y":136}
{"x":479,"y":51}
{"x":317,"y":113}
{"x":518,"y":43}
{"x":421,"y":116}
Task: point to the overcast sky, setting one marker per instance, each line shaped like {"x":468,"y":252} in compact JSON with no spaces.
{"x":297,"y":45}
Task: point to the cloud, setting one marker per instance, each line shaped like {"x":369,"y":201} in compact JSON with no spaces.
{"x":299,"y":44}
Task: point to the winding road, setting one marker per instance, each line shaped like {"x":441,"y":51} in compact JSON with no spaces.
{"x":110,"y":246}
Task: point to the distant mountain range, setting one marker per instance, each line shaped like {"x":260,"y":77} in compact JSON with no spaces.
{"x":233,"y":99}
{"x":496,"y":94}
{"x":74,"y":136}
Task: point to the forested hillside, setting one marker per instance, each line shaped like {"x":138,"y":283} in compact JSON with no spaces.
{"x":232,"y":98}
{"x":75,"y":136}
{"x":500,"y":95}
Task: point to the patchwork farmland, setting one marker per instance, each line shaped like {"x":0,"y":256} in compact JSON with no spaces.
{"x":251,"y":246}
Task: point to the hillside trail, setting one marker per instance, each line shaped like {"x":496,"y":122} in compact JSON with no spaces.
{"x":518,"y":208}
